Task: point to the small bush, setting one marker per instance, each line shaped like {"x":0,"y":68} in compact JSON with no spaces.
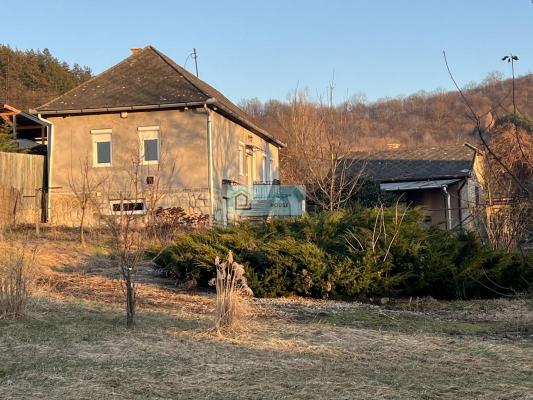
{"x":15,"y":282}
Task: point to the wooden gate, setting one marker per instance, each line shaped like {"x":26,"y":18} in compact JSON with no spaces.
{"x":22,"y":179}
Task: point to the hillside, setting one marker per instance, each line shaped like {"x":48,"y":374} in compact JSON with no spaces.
{"x":32,"y":77}
{"x":420,"y":119}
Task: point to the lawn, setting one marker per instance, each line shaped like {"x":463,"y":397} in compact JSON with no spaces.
{"x":73,"y":344}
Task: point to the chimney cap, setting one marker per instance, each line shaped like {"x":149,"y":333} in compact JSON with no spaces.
{"x":135,"y":50}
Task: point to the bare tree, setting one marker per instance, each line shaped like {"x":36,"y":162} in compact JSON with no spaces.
{"x":124,"y":219}
{"x":320,"y":152}
{"x":84,"y":185}
{"x":506,"y":170}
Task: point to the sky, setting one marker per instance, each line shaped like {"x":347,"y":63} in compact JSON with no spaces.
{"x":266,"y":49}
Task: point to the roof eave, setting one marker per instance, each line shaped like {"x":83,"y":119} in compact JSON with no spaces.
{"x":249,"y":125}
{"x":427,"y":178}
{"x":123,"y":108}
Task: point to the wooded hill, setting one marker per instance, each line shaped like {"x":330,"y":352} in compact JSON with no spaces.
{"x":32,"y":77}
{"x":421,"y":119}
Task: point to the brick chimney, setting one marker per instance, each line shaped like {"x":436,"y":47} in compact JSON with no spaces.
{"x":135,"y":50}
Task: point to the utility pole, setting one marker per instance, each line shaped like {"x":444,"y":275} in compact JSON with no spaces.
{"x":195,"y":56}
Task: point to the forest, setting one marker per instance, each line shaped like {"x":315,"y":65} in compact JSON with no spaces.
{"x":421,"y":119}
{"x":32,"y":77}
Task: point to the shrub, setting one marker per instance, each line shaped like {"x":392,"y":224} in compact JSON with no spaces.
{"x":286,"y":266}
{"x":455,"y":264}
{"x":359,"y":252}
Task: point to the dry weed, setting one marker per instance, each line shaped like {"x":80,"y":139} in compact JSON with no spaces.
{"x":16,"y":278}
{"x":232,"y":290}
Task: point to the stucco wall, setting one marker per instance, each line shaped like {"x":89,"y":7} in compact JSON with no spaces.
{"x":434,"y":202}
{"x":182,"y":172}
{"x":226,"y":138}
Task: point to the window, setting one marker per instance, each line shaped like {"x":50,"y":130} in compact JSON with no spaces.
{"x":266,"y":168}
{"x":102,"y":153}
{"x":118,"y":207}
{"x":150,"y":147}
{"x":242,"y":161}
{"x":250,"y":165}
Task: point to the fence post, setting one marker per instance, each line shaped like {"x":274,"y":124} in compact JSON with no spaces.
{"x":36,"y":212}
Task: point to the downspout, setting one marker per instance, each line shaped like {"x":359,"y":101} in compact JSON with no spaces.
{"x":447,"y":207}
{"x":210,"y":163}
{"x":49,"y":139}
{"x":459,"y":199}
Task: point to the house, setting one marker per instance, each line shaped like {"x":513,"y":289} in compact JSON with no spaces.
{"x":442,"y":180}
{"x":149,"y":117}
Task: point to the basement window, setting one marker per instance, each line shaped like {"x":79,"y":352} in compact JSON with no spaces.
{"x":149,"y":144}
{"x":127,"y":207}
{"x":102,"y":148}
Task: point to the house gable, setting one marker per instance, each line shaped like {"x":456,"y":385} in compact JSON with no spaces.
{"x":148,"y":80}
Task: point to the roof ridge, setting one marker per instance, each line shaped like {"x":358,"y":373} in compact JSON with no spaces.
{"x":179,"y":69}
{"x":87,"y":81}
{"x":219,"y":98}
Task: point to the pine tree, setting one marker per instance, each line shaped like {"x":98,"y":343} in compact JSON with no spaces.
{"x":8,"y":142}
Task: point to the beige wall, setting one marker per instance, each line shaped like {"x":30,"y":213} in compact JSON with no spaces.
{"x":226,"y":138}
{"x":182,"y":170}
{"x":434,"y":202}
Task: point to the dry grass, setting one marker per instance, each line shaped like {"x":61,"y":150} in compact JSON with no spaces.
{"x":16,"y":277}
{"x":232,"y":291}
{"x":74,"y":345}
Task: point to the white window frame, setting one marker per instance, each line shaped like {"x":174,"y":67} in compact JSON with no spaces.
{"x":149,"y":133}
{"x":271,"y":168}
{"x":242,"y":158}
{"x":127,"y":201}
{"x":266,"y":168}
{"x":102,"y":136}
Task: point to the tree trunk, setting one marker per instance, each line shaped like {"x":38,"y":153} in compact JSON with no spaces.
{"x":130,"y":300}
{"x":82,"y":232}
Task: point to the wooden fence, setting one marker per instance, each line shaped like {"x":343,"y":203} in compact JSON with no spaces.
{"x":22,"y":178}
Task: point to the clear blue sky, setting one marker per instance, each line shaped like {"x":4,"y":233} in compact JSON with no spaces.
{"x":267,"y":48}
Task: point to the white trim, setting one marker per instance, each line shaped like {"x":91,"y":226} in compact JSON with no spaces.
{"x":149,"y":133}
{"x":265,"y":166}
{"x":102,"y":136}
{"x":148,"y":128}
{"x":100,"y":131}
{"x":242,"y":158}
{"x":210,"y":166}
{"x":254,"y":168}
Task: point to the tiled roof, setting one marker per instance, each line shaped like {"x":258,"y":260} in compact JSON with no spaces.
{"x":147,"y":78}
{"x":428,"y":163}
